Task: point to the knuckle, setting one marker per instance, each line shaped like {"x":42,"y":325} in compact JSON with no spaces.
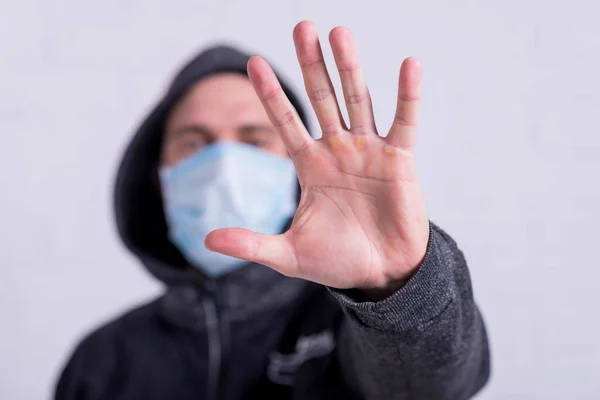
{"x":408,"y":98}
{"x":357,"y":98}
{"x":402,"y":120}
{"x":348,"y":67}
{"x":331,"y":129}
{"x":360,"y":130}
{"x":254,"y":248}
{"x":321,"y":94}
{"x":284,"y":119}
{"x":270,"y":93}
{"x":319,"y":62}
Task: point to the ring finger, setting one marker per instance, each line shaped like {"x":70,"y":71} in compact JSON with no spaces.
{"x":356,"y":93}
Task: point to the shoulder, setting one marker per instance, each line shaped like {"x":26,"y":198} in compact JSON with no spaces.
{"x":99,"y":347}
{"x":96,"y":358}
{"x":135,"y":319}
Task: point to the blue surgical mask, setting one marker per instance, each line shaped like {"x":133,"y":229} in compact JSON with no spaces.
{"x":226,"y":185}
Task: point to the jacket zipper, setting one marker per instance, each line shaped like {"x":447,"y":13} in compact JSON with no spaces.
{"x":214,"y":346}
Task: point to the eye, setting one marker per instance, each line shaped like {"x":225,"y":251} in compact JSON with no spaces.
{"x":257,"y":142}
{"x":192,"y":142}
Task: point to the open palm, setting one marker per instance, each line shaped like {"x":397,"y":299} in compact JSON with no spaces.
{"x":361,"y":222}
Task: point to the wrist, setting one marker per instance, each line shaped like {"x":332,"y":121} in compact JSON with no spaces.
{"x":378,"y":293}
{"x":382,"y":293}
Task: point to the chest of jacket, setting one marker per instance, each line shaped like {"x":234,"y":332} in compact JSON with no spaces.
{"x":282,"y":353}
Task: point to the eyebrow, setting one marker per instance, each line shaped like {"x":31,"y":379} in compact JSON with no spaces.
{"x":196,"y":129}
{"x":246,"y":129}
{"x":252,"y":128}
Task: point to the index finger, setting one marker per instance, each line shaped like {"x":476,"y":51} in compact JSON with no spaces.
{"x":280,"y":110}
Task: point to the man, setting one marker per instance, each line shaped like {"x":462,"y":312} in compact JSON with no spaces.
{"x":360,"y":297}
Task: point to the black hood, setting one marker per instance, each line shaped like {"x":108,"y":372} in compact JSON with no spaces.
{"x":137,"y":200}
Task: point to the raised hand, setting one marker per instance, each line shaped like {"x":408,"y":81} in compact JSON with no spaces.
{"x":361,"y":222}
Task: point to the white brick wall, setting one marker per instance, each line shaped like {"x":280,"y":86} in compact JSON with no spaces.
{"x":509,"y":155}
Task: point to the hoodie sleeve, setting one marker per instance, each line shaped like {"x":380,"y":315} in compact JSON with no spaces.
{"x":425,"y":341}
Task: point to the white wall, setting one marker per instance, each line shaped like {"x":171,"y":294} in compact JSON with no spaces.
{"x":509,"y":155}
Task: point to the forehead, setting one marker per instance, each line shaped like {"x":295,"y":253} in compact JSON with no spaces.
{"x":220,"y":98}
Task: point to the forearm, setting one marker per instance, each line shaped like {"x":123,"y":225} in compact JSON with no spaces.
{"x":427,"y":339}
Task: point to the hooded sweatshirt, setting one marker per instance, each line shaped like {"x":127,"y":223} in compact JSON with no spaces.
{"x":256,"y":334}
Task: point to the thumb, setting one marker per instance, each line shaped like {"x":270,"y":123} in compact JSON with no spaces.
{"x":274,"y":251}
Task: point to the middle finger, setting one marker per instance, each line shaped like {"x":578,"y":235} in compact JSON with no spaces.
{"x":316,"y":79}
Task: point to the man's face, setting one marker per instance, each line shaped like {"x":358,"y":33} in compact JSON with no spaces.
{"x":222,"y":107}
